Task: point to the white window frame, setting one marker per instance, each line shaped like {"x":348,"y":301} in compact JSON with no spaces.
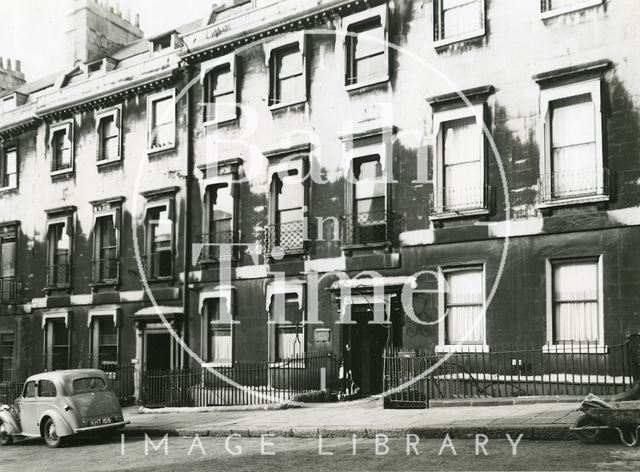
{"x":271,"y":50}
{"x":440,"y":119}
{"x":209,"y":67}
{"x":592,"y":87}
{"x":579,"y":5}
{"x":68,"y":127}
{"x":151,"y":99}
{"x":349,"y":22}
{"x":116,"y":113}
{"x":463,"y":37}
{"x":7,"y":148}
{"x":221,"y":292}
{"x":442,"y":347}
{"x":599,"y":347}
{"x":283,"y":288}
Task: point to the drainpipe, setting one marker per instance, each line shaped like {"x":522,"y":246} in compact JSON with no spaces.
{"x":186,"y":251}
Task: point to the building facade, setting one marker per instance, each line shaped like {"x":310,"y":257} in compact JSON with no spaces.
{"x":271,"y":179}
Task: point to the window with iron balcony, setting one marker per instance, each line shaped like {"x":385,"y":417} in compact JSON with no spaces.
{"x":572,"y":168}
{"x":460,"y":185}
{"x":287,"y":231}
{"x":105,"y":265}
{"x":457,"y":20}
{"x":59,"y":250}
{"x":159,"y":241}
{"x":9,"y":286}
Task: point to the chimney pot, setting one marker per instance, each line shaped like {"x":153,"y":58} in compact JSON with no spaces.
{"x":1,"y":63}
{"x":137,"y":23}
{"x":9,"y":64}
{"x":18,"y":65}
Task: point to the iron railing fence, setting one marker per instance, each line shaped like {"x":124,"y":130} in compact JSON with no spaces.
{"x":240,"y":383}
{"x":371,"y":227}
{"x":105,"y":270}
{"x":288,"y":237}
{"x":58,"y":276}
{"x":121,"y":377}
{"x":9,"y":391}
{"x":575,"y":183}
{"x":462,"y":198}
{"x":158,"y":264}
{"x":9,"y":290}
{"x":574,"y":369}
{"x":210,"y":251}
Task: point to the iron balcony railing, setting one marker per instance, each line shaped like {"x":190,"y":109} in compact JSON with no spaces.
{"x":58,"y":360}
{"x":9,"y":290}
{"x":462,"y":199}
{"x":58,"y":276}
{"x":577,"y":183}
{"x":289,"y":237}
{"x":211,"y":249}
{"x":60,"y":163}
{"x":158,"y":264}
{"x":105,"y":270}
{"x":370,"y":227}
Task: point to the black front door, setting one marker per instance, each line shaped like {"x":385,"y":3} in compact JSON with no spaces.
{"x":158,"y":351}
{"x":367,"y":344}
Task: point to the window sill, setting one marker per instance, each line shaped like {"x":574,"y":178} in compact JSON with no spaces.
{"x":456,"y":39}
{"x":351,"y":246}
{"x":287,"y":365}
{"x":104,"y":283}
{"x":584,"y":200}
{"x":56,"y":173}
{"x":108,"y":162}
{"x":221,"y":121}
{"x":158,"y":149}
{"x":570,"y":9}
{"x":450,"y":215}
{"x":574,"y":349}
{"x":8,"y":189}
{"x":163,"y":278}
{"x":464,"y":348}
{"x":213,"y":365}
{"x":369,"y":83}
{"x":280,"y":106}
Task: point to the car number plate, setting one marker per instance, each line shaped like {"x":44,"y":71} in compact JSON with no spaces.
{"x":100,"y":421}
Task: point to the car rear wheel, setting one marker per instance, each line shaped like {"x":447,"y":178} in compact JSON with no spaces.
{"x":588,"y":436}
{"x":5,"y":438}
{"x":50,"y":434}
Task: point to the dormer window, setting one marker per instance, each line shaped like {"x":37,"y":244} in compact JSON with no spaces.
{"x":164,"y":42}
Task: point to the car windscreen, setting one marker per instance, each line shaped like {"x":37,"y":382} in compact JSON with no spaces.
{"x":88,"y":384}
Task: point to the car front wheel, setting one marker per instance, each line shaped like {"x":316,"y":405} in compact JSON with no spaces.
{"x":5,"y":438}
{"x":50,"y":434}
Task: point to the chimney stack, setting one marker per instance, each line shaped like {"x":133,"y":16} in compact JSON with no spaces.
{"x":11,"y":77}
{"x":96,"y":28}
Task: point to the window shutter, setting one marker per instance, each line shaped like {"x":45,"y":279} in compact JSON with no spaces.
{"x":437,"y":20}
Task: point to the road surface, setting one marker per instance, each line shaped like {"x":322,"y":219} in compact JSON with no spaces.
{"x":281,"y":454}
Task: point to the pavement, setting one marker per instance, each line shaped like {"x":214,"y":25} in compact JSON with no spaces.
{"x":547,"y":420}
